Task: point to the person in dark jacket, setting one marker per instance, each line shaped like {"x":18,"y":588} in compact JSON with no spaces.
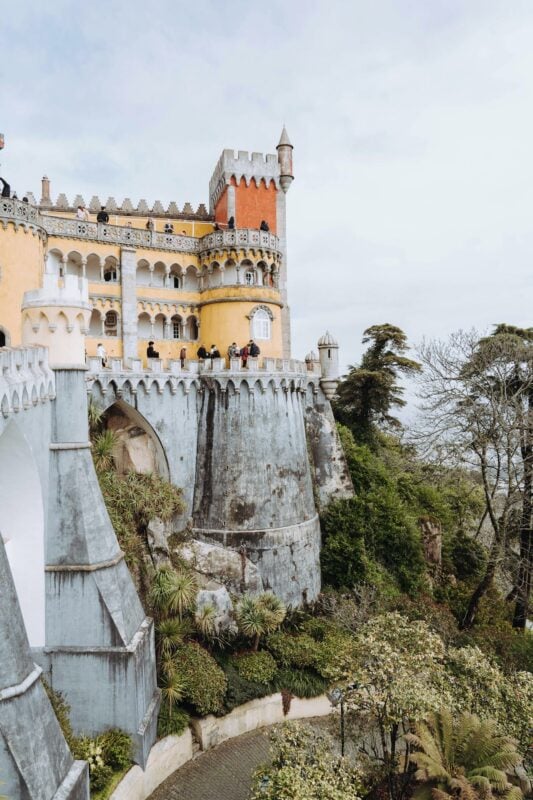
{"x":202,"y":353}
{"x":245,"y":353}
{"x":183,"y":356}
{"x":264,"y":226}
{"x":150,"y":352}
{"x":231,"y":223}
{"x":253,"y":348}
{"x":102,"y":216}
{"x":214,"y":352}
{"x":6,"y":188}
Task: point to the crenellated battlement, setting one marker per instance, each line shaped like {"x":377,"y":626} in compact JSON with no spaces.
{"x":254,"y":166}
{"x":125,"y":208}
{"x":25,"y":379}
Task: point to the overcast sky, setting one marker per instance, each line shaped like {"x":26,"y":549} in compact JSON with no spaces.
{"x":412,"y":123}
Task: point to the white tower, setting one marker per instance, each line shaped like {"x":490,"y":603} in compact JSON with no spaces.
{"x":285,"y":149}
{"x":328,"y":349}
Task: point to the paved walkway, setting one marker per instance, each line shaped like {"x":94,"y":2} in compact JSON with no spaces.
{"x":223,"y":773}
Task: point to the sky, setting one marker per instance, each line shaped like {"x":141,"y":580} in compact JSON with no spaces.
{"x":411,"y":120}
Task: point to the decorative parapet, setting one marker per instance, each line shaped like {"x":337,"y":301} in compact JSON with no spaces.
{"x":133,"y":237}
{"x":25,"y":379}
{"x":283,"y":375}
{"x":20,"y":213}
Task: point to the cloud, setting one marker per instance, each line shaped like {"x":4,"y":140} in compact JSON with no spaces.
{"x":412,"y":124}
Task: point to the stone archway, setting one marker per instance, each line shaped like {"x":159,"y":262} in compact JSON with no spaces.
{"x":138,"y":445}
{"x":22,"y":528}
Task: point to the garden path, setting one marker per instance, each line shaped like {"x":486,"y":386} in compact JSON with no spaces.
{"x":224,"y":773}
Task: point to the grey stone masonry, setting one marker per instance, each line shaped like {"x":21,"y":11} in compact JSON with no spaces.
{"x":35,"y":762}
{"x":99,"y":642}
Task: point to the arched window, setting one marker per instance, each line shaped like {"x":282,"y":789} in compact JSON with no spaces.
{"x":261,"y":324}
{"x":110,"y":273}
{"x":111,"y":323}
{"x":176,"y":327}
{"x":249,"y":278}
{"x":177,"y":281}
{"x":2,"y":339}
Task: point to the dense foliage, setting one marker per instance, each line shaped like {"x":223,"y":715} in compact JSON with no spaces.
{"x":304,"y":767}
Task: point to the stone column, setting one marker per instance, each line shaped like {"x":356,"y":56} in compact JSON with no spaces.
{"x":129,"y":303}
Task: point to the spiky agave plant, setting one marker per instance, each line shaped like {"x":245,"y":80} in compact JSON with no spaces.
{"x":103,"y":445}
{"x":173,"y":592}
{"x":274,"y":608}
{"x":95,"y":414}
{"x":465,"y":758}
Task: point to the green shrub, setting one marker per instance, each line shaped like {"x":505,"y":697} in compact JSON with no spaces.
{"x":335,"y":649}
{"x":463,"y":556}
{"x":203,"y":680}
{"x":62,"y":711}
{"x":239,"y":689}
{"x":300,"y":682}
{"x":116,"y":749}
{"x":172,"y":722}
{"x":100,"y":777}
{"x":293,"y":651}
{"x":256,"y":667}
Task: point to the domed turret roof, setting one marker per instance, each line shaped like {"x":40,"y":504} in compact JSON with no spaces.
{"x":327,"y":340}
{"x":312,"y":356}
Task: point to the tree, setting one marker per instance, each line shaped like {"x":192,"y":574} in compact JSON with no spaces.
{"x":394,"y":676}
{"x":304,"y":767}
{"x":258,"y":616}
{"x":464,"y":758}
{"x":369,"y":393}
{"x":476,"y":394}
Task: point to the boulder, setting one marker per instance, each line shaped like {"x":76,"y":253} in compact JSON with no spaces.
{"x":230,"y":568}
{"x":217,"y":596}
{"x":157,"y":533}
{"x":432,"y":540}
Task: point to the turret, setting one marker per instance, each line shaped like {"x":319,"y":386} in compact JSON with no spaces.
{"x":285,"y":149}
{"x":57,"y":316}
{"x":328,"y":349}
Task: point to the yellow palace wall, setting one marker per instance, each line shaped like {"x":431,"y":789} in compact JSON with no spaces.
{"x":21,"y":268}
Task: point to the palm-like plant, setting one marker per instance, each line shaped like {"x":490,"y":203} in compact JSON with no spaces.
{"x":170,"y":633}
{"x":171,"y":683}
{"x":258,"y":616}
{"x":204,"y":619}
{"x":103,"y":446}
{"x":95,"y":414}
{"x":462,"y":759}
{"x":172,"y":592}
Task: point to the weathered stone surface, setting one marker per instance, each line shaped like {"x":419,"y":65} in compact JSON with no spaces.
{"x":218,"y":598}
{"x":432,"y":540}
{"x":157,"y":533}
{"x":230,"y":568}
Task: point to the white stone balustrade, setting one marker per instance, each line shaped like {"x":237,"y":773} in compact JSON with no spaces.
{"x":215,"y":365}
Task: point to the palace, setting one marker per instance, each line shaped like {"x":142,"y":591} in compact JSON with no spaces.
{"x":177,"y":278}
{"x":253,"y":447}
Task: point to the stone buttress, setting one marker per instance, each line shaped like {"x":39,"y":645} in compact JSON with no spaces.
{"x":35,"y":762}
{"x":253,"y":488}
{"x":99,"y":642}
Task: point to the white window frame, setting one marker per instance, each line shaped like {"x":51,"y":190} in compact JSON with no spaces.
{"x":262,"y":325}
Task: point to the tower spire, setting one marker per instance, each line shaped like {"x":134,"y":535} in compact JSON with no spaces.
{"x":285,"y":149}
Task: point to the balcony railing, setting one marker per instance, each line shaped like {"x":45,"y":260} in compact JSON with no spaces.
{"x":135,"y":237}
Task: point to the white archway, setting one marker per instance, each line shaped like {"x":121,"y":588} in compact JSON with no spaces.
{"x":22,"y":528}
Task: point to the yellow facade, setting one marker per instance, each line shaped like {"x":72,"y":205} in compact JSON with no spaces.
{"x":21,"y":268}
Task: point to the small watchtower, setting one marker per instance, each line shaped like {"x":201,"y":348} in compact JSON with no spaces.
{"x":328,"y":349}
